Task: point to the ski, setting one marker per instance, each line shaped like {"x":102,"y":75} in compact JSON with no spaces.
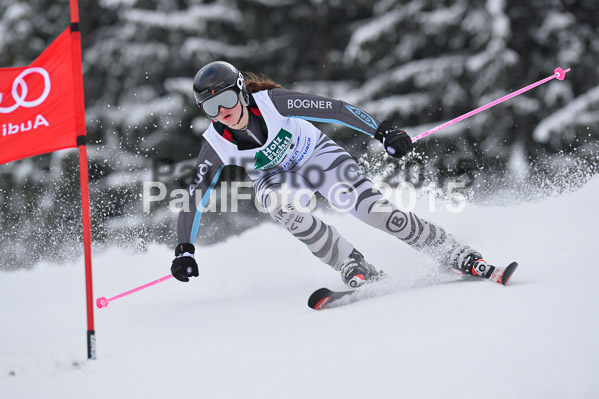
{"x":502,"y":275}
{"x":324,"y":298}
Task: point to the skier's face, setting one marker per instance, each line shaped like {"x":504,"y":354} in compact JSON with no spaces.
{"x":231,"y":117}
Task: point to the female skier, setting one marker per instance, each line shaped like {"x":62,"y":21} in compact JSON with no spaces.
{"x":262,"y":127}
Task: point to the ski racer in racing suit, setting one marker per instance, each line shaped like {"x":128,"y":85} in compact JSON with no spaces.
{"x":265,"y":129}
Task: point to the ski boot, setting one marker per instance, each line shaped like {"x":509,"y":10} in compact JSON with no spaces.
{"x":471,"y":263}
{"x":355,"y":271}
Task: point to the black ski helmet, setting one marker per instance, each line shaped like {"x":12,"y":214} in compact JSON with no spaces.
{"x":217,"y":77}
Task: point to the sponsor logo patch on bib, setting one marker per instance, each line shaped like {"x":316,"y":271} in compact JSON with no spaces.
{"x":273,"y":153}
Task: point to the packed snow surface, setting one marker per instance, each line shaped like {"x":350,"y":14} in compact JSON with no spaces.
{"x":243,"y":329}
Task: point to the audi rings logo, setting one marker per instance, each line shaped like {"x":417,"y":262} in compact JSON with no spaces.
{"x":20,"y":91}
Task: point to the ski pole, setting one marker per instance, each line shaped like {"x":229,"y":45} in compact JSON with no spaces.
{"x":102,"y":302}
{"x":560,"y":74}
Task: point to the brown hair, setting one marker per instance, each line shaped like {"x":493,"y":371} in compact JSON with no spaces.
{"x":258,"y":82}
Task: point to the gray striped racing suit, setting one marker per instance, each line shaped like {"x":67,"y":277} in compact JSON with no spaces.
{"x":328,"y":169}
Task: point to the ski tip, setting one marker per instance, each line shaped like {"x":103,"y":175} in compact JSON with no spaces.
{"x":507,"y":274}
{"x":322,"y":303}
{"x":319,"y":298}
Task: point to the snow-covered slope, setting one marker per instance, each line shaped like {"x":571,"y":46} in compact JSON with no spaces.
{"x":243,"y":330}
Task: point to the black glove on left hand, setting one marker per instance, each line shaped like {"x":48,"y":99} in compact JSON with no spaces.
{"x":184,"y":265}
{"x":396,"y":142}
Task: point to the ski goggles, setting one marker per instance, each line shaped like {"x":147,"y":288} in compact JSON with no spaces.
{"x":226,"y":99}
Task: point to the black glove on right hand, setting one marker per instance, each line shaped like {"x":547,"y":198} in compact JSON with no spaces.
{"x":184,"y":265}
{"x":396,"y":142}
